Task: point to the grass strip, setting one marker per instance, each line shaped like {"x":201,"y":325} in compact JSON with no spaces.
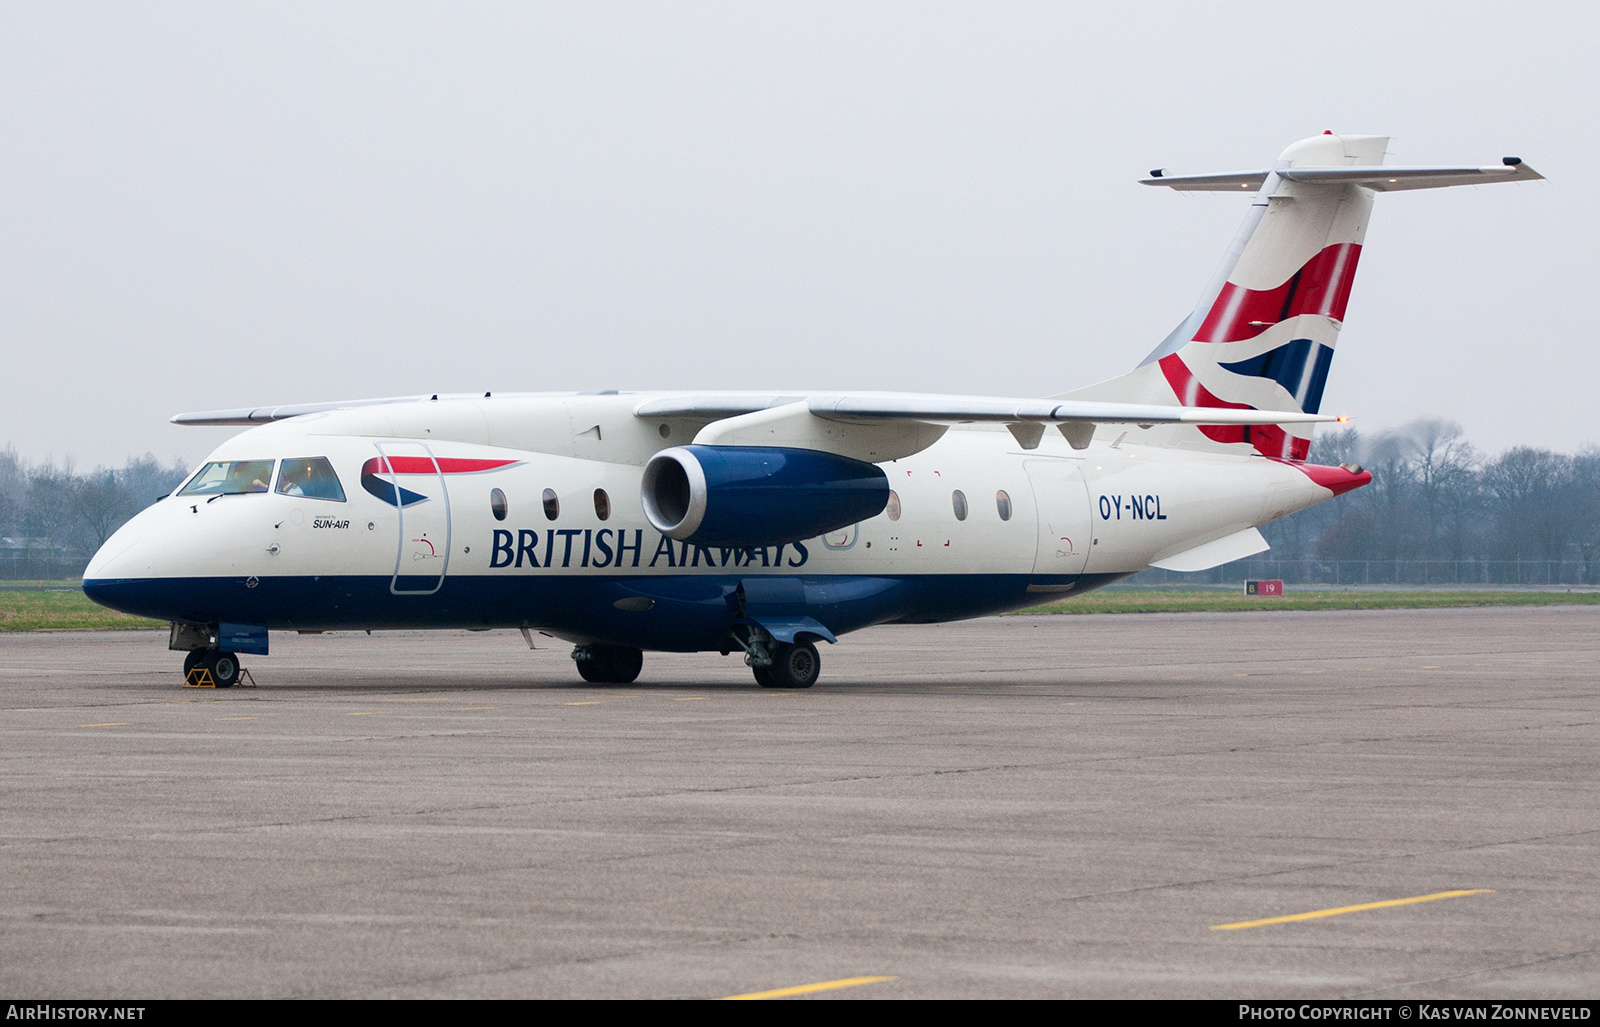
{"x":1161,"y":600}
{"x":36,"y":585}
{"x":33,"y":610}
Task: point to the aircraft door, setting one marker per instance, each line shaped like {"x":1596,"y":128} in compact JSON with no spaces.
{"x":1061,"y":499}
{"x":423,"y":505}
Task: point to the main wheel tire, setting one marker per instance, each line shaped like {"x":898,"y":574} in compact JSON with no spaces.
{"x":194,"y":659}
{"x":624,"y":663}
{"x":794,"y":666}
{"x":764,"y":677}
{"x":224,"y":668}
{"x":611,"y":664}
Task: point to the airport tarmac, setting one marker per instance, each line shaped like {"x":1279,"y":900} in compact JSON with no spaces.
{"x":1010,"y":807}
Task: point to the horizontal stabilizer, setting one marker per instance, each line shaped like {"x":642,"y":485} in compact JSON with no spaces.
{"x":1379,"y":178}
{"x":1227,"y":181}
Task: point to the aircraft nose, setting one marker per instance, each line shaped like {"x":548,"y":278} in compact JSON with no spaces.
{"x":112,"y":559}
{"x":114,"y":575}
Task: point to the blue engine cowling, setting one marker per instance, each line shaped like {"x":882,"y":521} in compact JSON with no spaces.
{"x":757,"y":495}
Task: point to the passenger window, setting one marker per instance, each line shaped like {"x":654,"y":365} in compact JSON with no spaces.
{"x":602,"y":505}
{"x":497,"y":504}
{"x":310,"y":477}
{"x":229,"y":478}
{"x":552,"y":505}
{"x":893,"y":509}
{"x":958,"y":499}
{"x":1003,"y":502}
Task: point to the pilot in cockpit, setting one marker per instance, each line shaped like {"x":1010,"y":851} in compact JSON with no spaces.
{"x":242,"y":470}
{"x":295,"y":480}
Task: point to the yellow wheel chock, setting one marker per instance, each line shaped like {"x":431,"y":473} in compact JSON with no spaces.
{"x":201,"y":677}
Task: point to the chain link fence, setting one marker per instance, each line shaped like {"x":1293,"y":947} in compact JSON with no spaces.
{"x":1488,"y":573}
{"x":32,"y":566}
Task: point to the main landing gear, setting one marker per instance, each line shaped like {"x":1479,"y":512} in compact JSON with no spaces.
{"x":791,"y":665}
{"x":221,"y":667}
{"x":777,"y":664}
{"x":608,"y":664}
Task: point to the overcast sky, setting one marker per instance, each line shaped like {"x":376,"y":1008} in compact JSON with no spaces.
{"x":225,"y":204}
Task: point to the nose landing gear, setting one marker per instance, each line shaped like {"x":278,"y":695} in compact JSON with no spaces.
{"x":211,"y":667}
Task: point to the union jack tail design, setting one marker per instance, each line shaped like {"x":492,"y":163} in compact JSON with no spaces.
{"x":1262,"y":336}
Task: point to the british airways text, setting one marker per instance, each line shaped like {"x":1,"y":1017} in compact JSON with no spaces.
{"x":586,"y":547}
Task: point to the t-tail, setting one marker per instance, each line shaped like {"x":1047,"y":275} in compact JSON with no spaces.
{"x":1262,"y":336}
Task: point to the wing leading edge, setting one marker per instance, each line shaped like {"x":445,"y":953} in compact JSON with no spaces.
{"x":889,"y":425}
{"x":944,"y":409}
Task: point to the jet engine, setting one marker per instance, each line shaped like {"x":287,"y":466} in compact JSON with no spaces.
{"x":757,"y":495}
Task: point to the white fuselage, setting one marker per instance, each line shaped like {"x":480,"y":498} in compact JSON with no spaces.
{"x":512,"y":532}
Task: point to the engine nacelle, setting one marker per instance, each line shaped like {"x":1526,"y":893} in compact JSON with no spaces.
{"x":757,"y":495}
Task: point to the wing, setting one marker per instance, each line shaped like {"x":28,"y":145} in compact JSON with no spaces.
{"x":879,"y":426}
{"x":246,"y":416}
{"x":870,"y":407}
{"x":873,"y":426}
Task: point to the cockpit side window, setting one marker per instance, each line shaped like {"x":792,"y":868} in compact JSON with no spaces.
{"x":310,"y":477}
{"x":229,"y":478}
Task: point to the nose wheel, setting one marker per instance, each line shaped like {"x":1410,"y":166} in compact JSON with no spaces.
{"x":222,"y":669}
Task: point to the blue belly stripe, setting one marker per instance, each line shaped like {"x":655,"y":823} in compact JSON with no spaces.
{"x":689,"y":613}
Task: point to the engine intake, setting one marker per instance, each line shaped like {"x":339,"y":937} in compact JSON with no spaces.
{"x":757,"y":495}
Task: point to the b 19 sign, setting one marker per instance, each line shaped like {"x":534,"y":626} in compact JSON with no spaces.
{"x":1263,"y":588}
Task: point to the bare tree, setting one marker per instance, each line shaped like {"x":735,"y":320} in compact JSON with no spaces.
{"x":1336,"y":447}
{"x":147,"y":480}
{"x":1530,"y":490}
{"x":104,"y":504}
{"x":1443,"y":467}
{"x":1586,"y":509}
{"x":1393,"y":529}
{"x":13,"y":490}
{"x":51,"y":510}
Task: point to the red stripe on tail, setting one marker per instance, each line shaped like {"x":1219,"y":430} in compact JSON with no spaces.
{"x":1322,"y":286}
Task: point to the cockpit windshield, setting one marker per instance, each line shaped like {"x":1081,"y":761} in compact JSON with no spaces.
{"x":229,"y":478}
{"x":311,"y":477}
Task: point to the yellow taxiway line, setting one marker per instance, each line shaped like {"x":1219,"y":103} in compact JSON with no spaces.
{"x":807,"y":989}
{"x":1317,"y":914}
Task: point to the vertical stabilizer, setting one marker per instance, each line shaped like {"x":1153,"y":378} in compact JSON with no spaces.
{"x":1263,"y":334}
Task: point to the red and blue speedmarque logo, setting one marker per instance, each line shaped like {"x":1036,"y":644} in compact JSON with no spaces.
{"x":394,"y":494}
